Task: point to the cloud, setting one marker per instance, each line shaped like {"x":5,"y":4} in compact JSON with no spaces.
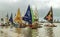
{"x":54,"y":3}
{"x":13,"y":5}
{"x":40,"y":4}
{"x":9,"y":1}
{"x":45,"y":3}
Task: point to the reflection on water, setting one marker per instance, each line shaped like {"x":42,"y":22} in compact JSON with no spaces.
{"x":18,"y":31}
{"x":3,"y":34}
{"x":34,"y":33}
{"x":28,"y":32}
{"x":49,"y":31}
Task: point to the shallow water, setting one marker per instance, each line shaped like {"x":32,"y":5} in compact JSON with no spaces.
{"x":28,"y":32}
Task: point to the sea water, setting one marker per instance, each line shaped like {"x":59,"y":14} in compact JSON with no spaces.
{"x":28,"y":32}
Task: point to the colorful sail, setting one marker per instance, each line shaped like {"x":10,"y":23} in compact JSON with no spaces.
{"x":28,"y":16}
{"x":18,"y":18}
{"x":32,"y":15}
{"x":49,"y":16}
{"x":11,"y":18}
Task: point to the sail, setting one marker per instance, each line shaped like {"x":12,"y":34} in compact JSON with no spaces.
{"x":28,"y":16}
{"x":49,"y":16}
{"x":35,"y":13}
{"x":18,"y":18}
{"x":32,"y":15}
{"x":7,"y":18}
{"x":11,"y":18}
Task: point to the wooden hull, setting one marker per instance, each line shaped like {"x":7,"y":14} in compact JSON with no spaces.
{"x":35,"y":26}
{"x":48,"y":25}
{"x":22,"y":26}
{"x":4,"y":25}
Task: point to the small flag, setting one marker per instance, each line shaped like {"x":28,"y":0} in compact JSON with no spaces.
{"x":49,"y":16}
{"x":28,"y":16}
{"x":11,"y":18}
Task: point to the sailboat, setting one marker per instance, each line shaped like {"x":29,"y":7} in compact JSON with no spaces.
{"x":30,"y":18}
{"x":49,"y":18}
{"x":11,"y":18}
{"x":7,"y":20}
{"x":35,"y":19}
{"x":2,"y":21}
{"x":18,"y":20}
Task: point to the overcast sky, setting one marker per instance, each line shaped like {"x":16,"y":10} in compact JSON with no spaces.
{"x":11,"y":6}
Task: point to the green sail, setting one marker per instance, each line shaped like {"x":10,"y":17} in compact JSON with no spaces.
{"x":32,"y":15}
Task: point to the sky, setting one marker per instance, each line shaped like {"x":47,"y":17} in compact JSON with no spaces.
{"x":43,"y":6}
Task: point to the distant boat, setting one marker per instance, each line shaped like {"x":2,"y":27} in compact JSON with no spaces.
{"x":49,"y":18}
{"x":5,"y":21}
{"x":2,"y":22}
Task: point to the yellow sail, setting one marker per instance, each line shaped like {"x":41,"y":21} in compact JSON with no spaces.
{"x":18,"y":18}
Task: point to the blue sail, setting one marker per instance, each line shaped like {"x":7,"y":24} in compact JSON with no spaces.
{"x":28,"y":16}
{"x":11,"y":18}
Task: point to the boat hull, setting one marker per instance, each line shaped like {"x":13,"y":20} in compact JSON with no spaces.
{"x":35,"y":26}
{"x":48,"y":25}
